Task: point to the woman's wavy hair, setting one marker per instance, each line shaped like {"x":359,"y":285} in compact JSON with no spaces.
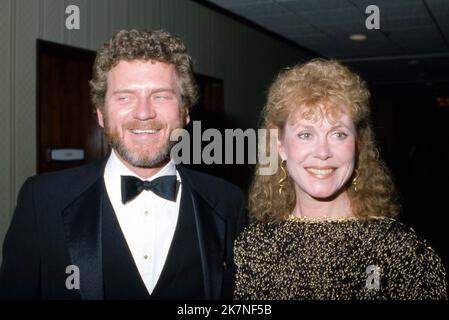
{"x":131,"y":45}
{"x":304,"y":90}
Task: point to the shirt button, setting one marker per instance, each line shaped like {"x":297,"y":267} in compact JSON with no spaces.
{"x":146,"y":212}
{"x":145,"y":257}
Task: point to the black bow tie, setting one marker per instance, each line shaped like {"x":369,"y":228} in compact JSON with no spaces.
{"x":164,"y":187}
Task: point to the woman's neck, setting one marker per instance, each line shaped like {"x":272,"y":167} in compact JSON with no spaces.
{"x":307,"y":206}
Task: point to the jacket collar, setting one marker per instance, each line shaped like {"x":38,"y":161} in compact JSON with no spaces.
{"x":82,"y":227}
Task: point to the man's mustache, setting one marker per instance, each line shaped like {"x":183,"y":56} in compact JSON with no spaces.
{"x":144,"y":125}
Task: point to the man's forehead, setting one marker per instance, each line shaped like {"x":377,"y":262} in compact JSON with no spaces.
{"x":132,"y":71}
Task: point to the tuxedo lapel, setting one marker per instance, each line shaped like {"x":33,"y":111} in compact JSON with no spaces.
{"x":211,"y":230}
{"x":82,"y":226}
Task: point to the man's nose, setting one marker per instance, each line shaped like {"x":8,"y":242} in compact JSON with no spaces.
{"x":144,"y":110}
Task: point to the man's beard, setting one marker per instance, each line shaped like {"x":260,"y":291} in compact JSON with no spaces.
{"x":143,"y":160}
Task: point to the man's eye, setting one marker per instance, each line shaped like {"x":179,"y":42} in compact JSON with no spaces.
{"x":163,"y":97}
{"x":340,"y":135}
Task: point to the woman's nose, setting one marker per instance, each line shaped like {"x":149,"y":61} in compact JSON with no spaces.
{"x":322,"y":150}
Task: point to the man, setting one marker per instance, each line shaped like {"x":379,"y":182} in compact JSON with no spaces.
{"x":133,"y":226}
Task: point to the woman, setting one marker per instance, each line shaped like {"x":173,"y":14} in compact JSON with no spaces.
{"x":322,"y":226}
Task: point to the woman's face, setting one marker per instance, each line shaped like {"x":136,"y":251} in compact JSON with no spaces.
{"x":320,"y":154}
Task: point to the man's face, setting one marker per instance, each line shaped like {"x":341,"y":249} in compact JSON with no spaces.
{"x":142,"y":108}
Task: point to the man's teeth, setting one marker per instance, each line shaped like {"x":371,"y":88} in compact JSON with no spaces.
{"x":137,"y":131}
{"x":320,"y":171}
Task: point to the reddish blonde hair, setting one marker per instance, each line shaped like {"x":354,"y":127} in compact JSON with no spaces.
{"x":303,"y":90}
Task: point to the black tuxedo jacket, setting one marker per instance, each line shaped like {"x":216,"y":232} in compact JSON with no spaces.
{"x":57,"y":223}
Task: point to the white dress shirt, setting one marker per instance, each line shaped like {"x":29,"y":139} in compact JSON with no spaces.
{"x":148,"y":222}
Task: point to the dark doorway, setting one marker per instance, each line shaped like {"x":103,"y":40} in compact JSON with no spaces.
{"x":67,"y":131}
{"x":209,"y":111}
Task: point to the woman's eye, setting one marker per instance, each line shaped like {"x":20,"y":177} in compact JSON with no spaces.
{"x":304,"y":135}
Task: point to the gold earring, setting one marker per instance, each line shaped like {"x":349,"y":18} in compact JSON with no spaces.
{"x":284,"y":176}
{"x":354,"y":181}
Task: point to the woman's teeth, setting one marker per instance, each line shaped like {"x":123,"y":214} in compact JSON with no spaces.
{"x":320,"y":172}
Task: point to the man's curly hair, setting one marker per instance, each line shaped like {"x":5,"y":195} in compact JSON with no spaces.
{"x":131,"y":45}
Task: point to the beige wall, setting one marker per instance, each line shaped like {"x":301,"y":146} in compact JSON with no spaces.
{"x":244,"y":58}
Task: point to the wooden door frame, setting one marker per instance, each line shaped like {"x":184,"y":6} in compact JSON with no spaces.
{"x":44,"y":46}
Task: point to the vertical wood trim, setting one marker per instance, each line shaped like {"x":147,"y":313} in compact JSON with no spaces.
{"x":40,"y":19}
{"x":65,"y":35}
{"x":109,"y":10}
{"x":87,"y":38}
{"x":144,"y":8}
{"x":12,"y":120}
{"x":127,"y":14}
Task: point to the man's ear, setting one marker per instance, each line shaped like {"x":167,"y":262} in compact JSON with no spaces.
{"x":186,"y":116}
{"x":100,"y":117}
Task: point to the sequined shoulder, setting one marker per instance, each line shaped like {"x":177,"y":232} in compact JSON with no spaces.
{"x":399,"y":237}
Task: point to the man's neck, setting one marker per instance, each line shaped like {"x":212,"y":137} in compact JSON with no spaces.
{"x":143,"y":173}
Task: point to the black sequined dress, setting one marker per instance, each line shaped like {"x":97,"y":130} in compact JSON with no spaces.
{"x":342,"y":258}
